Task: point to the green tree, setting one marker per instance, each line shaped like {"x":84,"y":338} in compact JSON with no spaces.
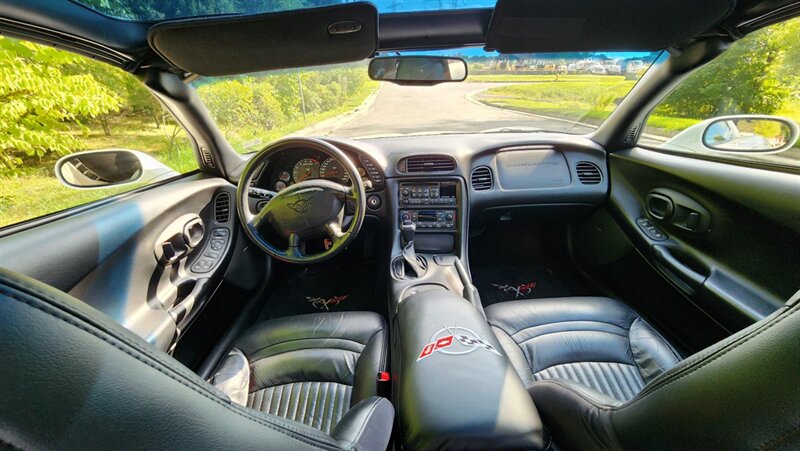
{"x":742,"y":80}
{"x":43,"y":102}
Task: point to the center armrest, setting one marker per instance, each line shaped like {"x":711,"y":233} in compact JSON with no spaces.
{"x":457,"y":389}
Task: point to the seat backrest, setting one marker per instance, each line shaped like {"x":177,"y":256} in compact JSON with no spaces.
{"x":70,"y":377}
{"x":741,"y":393}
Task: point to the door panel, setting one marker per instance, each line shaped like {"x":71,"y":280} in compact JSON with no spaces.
{"x":146,"y":260}
{"x":727,"y":237}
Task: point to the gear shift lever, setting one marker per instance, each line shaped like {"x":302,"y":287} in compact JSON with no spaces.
{"x":407,"y":229}
{"x":411,"y":264}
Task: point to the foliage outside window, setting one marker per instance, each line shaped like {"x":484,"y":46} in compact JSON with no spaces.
{"x":252,"y":110}
{"x":53,"y":103}
{"x":759,"y":74}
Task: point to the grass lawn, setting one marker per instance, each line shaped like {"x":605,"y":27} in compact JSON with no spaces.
{"x":526,"y":78}
{"x":588,"y":101}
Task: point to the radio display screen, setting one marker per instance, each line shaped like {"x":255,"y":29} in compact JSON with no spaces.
{"x":447,"y":190}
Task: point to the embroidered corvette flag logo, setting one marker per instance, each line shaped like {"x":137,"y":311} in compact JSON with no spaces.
{"x":457,"y":341}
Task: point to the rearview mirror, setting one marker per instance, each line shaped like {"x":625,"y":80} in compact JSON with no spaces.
{"x":109,"y":167}
{"x":418,"y":70}
{"x":751,"y":133}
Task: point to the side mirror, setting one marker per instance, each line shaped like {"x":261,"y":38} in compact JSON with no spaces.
{"x":109,"y":167}
{"x":418,"y":70}
{"x":750,"y":133}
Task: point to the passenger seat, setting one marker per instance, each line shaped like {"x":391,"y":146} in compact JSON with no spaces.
{"x":602,"y":378}
{"x":596,"y":342}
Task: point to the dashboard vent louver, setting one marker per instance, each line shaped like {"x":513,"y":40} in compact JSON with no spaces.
{"x":481,"y":178}
{"x":205,"y":154}
{"x":631,"y":136}
{"x":588,"y":173}
{"x":427,"y":163}
{"x":222,"y":208}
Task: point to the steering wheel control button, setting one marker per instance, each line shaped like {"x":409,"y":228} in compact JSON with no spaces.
{"x":649,"y":228}
{"x":374,"y":202}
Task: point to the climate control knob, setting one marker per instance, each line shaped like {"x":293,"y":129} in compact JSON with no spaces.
{"x":449,"y":216}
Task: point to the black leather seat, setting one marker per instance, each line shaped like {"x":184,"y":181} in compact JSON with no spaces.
{"x":307,"y":368}
{"x":599,"y":343}
{"x":601,"y":378}
{"x":73,"y":378}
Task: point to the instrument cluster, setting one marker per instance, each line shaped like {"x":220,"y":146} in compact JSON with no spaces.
{"x":298,"y":165}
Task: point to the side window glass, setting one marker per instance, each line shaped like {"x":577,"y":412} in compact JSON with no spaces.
{"x":55,"y":104}
{"x":744,"y":105}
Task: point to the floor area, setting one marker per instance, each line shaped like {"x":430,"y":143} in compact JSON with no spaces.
{"x":512,"y":261}
{"x":350,"y":281}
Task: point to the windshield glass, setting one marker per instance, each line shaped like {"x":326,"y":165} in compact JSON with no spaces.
{"x":567,"y":93}
{"x":154,"y":10}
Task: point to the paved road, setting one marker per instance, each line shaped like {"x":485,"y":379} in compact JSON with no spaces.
{"x":442,"y":108}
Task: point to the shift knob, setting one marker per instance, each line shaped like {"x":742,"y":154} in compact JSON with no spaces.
{"x":407,"y":229}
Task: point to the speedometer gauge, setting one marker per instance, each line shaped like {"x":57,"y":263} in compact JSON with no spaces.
{"x":305,"y":169}
{"x":331,"y":169}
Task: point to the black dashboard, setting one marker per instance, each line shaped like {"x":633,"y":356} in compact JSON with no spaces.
{"x":502,"y":174}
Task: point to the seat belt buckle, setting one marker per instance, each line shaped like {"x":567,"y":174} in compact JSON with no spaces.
{"x":384,"y":386}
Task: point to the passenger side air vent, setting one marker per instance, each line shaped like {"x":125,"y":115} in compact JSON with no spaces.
{"x":481,"y":178}
{"x":427,"y":163}
{"x":222,"y":208}
{"x":588,"y":173}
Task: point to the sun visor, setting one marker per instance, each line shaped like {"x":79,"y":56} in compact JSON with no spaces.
{"x":539,"y":26}
{"x":214,"y":46}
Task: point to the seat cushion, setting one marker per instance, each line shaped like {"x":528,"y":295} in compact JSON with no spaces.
{"x":596,"y":342}
{"x":307,"y":368}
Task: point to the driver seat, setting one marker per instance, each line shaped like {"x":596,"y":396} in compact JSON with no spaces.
{"x":72,"y":377}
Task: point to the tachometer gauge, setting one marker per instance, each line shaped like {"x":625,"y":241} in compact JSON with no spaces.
{"x":279,"y":185}
{"x":331,"y":169}
{"x":305,"y":169}
{"x":284,"y":176}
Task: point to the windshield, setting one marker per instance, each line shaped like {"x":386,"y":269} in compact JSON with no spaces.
{"x":155,"y":10}
{"x":567,"y":93}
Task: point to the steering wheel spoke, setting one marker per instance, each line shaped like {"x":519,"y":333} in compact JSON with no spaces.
{"x":295,"y":249}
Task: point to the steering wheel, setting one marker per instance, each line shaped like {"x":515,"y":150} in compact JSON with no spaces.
{"x":305,"y":210}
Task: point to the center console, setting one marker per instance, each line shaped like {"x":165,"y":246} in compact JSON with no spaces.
{"x":453,"y":385}
{"x":430,"y":206}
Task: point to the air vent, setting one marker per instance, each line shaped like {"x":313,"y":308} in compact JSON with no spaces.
{"x":205,"y":154}
{"x":588,"y":173}
{"x":481,"y":178}
{"x":222,"y":208}
{"x":427,"y":163}
{"x":631,"y":136}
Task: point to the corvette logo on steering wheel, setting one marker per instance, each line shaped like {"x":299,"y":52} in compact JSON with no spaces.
{"x":301,"y":206}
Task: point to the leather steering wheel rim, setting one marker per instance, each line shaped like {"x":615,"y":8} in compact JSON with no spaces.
{"x":301,"y":193}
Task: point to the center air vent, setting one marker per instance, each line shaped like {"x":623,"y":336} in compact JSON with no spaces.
{"x":588,"y":173}
{"x":222,"y":207}
{"x":426,"y":163}
{"x":481,"y":178}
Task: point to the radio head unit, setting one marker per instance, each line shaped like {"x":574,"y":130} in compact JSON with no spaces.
{"x":431,"y":193}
